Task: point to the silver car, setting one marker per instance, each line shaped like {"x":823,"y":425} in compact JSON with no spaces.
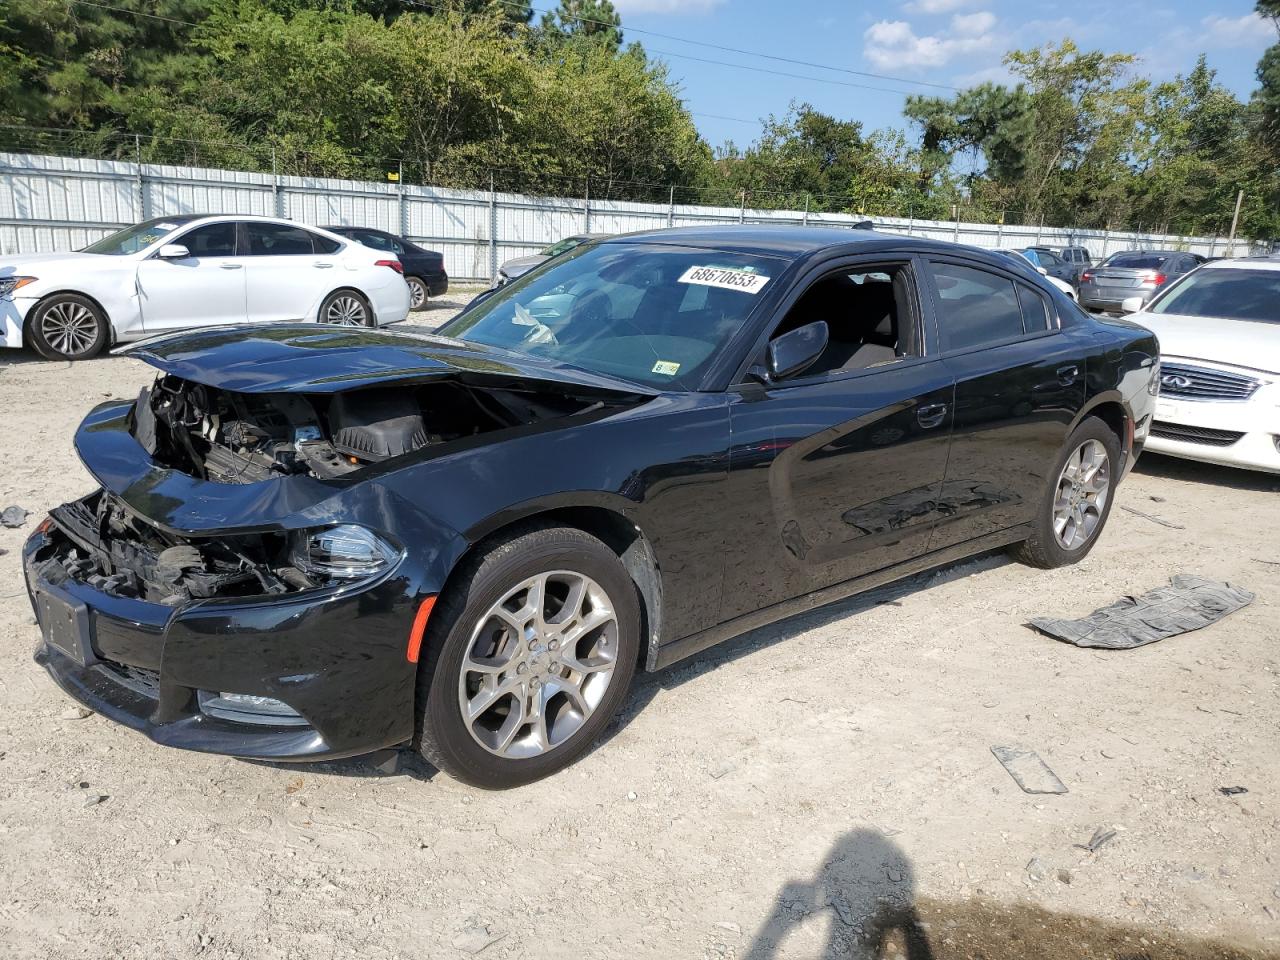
{"x":522,"y":265}
{"x":1132,"y":273}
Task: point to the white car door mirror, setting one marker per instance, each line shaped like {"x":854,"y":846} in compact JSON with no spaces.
{"x":1131,"y":305}
{"x":1043,"y":271}
{"x":173,"y":251}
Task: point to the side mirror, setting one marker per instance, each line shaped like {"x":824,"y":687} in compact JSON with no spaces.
{"x":1131,"y":305}
{"x":1043,"y":271}
{"x":796,"y":350}
{"x":173,"y":251}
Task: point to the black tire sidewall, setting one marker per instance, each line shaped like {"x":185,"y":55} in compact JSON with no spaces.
{"x":347,"y":292}
{"x":552,"y":549}
{"x":1090,"y":429}
{"x":426,"y":293}
{"x":42,"y":346}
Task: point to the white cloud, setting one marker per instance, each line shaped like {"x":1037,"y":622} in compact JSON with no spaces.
{"x":934,"y":6}
{"x":1247,"y":31}
{"x":665,"y":6}
{"x":893,"y":44}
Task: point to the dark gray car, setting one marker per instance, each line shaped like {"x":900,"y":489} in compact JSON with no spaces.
{"x":1132,"y":273}
{"x":522,"y":265}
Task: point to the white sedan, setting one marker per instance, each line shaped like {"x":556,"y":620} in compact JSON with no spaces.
{"x":1219,"y":331}
{"x":186,"y":271}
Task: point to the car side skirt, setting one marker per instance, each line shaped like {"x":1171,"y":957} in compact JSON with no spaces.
{"x":677,"y":650}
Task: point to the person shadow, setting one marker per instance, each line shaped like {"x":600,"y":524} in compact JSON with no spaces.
{"x":867,"y":883}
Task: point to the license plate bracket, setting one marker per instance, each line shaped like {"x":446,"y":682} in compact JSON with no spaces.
{"x":64,"y":620}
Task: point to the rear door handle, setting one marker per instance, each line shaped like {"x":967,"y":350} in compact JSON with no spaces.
{"x":323,"y":266}
{"x":931,"y":414}
{"x":231,"y":266}
{"x":1068,"y":375}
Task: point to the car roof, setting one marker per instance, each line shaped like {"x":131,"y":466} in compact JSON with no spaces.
{"x":769,"y":240}
{"x":1249,"y":263}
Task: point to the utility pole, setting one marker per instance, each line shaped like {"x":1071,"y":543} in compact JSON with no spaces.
{"x":1235,"y":222}
{"x":742,"y":210}
{"x":671,"y":207}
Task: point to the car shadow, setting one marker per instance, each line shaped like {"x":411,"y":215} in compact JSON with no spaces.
{"x":648,"y":685}
{"x":1194,"y":471}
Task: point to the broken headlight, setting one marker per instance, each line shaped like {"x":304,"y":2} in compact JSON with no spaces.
{"x":9,"y":284}
{"x":344,"y":552}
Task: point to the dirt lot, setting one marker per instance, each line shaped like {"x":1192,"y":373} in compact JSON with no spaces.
{"x":824,"y":787}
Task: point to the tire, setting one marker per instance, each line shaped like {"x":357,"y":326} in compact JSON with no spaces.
{"x":501,"y":747}
{"x":348,"y":308}
{"x":67,"y":326}
{"x":1047,"y":547}
{"x":419,"y":295}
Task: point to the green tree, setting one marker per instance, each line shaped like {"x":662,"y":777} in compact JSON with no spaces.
{"x":575,"y":19}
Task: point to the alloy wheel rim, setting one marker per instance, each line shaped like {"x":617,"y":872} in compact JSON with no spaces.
{"x":538,"y":664}
{"x":417,"y":294}
{"x":346,"y":311}
{"x":1083,"y":489}
{"x":70,"y":328}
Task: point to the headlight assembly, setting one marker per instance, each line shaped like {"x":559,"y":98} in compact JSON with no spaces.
{"x":343,"y":553}
{"x":9,"y":284}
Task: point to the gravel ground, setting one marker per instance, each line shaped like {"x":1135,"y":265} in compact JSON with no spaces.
{"x":820,"y":788}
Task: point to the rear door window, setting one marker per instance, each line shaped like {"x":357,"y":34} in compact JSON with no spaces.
{"x":974,"y":307}
{"x":279,"y":239}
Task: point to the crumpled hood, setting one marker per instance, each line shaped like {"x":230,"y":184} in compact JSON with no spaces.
{"x":312,"y":358}
{"x":1254,"y":345}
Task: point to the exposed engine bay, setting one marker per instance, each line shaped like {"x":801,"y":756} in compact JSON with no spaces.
{"x":233,"y":437}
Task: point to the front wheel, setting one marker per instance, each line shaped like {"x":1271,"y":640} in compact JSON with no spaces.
{"x":68,"y":326}
{"x":528,"y":657}
{"x":346,"y":308}
{"x":1076,"y":504}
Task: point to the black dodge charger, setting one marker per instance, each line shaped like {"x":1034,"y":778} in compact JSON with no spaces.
{"x":311,"y":542}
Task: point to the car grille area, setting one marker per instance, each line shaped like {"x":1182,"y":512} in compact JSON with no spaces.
{"x":1185,"y":434}
{"x":138,"y":679}
{"x":1185,"y":382}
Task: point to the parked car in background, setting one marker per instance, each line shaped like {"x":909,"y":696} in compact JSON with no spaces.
{"x":313,"y":544}
{"x":521,"y":265}
{"x":1132,"y":273}
{"x":1219,"y":331}
{"x":193,"y":270}
{"x":1062,"y":285}
{"x":1048,"y":261}
{"x":1080,"y":259}
{"x":423,"y":269}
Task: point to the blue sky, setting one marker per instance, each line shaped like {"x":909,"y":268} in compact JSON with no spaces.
{"x":949,"y":42}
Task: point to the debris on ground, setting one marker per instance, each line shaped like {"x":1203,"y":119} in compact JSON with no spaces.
{"x":14,"y":516}
{"x":1154,"y":519}
{"x":1188,"y":603}
{"x":1028,"y":771}
{"x":476,"y":937}
{"x":1232,"y":791}
{"x":93,"y":799}
{"x":75,"y":713}
{"x":1101,"y":837}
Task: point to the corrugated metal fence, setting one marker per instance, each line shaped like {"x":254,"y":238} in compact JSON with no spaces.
{"x":62,"y":203}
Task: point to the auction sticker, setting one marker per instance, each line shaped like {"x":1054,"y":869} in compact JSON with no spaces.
{"x":666,"y":368}
{"x":725,"y":277}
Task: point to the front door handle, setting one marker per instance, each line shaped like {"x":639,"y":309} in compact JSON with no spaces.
{"x":1068,"y":375}
{"x":931,"y":414}
{"x":323,"y":266}
{"x":231,"y":266}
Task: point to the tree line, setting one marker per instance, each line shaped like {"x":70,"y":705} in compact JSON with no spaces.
{"x":474,"y":93}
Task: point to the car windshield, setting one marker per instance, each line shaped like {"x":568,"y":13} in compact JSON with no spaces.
{"x":1138,"y":261}
{"x":135,"y":238}
{"x":649,"y":313}
{"x":568,"y":243}
{"x":1227,"y":292}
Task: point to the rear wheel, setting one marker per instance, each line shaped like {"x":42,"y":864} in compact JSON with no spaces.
{"x":1076,"y":505}
{"x":346,"y":308}
{"x":68,"y":326}
{"x":528,"y":658}
{"x":418,"y":294}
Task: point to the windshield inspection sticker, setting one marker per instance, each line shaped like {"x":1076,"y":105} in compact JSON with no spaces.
{"x":666,"y":368}
{"x":725,"y":277}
